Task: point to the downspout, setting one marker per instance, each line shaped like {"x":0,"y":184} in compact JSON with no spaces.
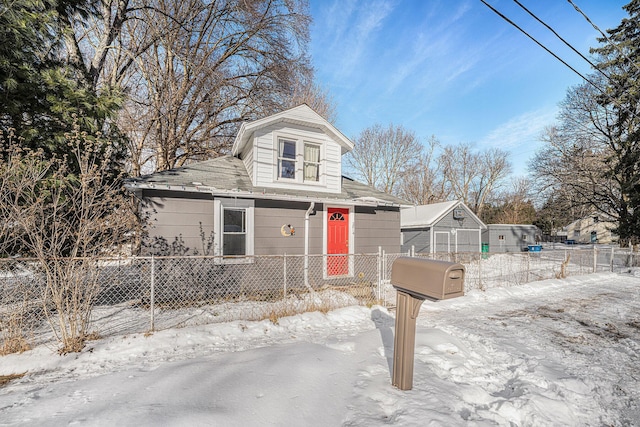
{"x":306,"y":243}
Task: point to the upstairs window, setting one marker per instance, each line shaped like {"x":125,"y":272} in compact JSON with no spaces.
{"x":287,"y":159}
{"x":311,"y":162}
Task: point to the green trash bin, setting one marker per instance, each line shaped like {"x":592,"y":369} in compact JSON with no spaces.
{"x":485,"y":250}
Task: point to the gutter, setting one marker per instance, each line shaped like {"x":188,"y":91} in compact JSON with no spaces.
{"x":306,"y":242}
{"x":257,"y":195}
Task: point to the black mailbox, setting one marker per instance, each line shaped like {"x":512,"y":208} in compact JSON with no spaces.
{"x":425,"y":278}
{"x":415,"y":280}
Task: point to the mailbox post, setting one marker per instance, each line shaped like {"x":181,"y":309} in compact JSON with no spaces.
{"x":415,"y":280}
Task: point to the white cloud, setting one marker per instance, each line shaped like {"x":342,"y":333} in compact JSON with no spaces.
{"x":353,"y":26}
{"x":519,"y":132}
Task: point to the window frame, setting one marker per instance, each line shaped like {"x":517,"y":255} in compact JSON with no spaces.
{"x":248,"y":208}
{"x":300,"y":161}
{"x":305,"y":162}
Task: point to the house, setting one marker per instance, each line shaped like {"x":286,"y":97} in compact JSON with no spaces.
{"x":281,"y":191}
{"x":592,"y":229}
{"x":511,"y":237}
{"x":440,"y":227}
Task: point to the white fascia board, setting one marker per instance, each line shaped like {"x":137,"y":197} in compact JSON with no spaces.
{"x":257,"y":195}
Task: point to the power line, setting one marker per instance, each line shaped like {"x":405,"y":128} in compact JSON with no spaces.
{"x":539,"y":44}
{"x":604,"y":35}
{"x":563,"y":40}
{"x":602,"y":91}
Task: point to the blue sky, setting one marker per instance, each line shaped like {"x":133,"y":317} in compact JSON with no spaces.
{"x":453,"y":68}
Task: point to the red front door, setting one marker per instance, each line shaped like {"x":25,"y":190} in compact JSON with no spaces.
{"x":337,"y":241}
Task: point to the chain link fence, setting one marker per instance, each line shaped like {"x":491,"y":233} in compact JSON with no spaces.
{"x":140,"y":294}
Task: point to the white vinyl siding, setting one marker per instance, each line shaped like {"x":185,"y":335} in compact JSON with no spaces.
{"x":266,"y":158}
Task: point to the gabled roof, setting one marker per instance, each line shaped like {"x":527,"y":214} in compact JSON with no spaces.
{"x":428,"y":215}
{"x":227,"y":175}
{"x":301,"y":115}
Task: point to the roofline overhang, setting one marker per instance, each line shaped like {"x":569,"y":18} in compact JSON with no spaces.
{"x":204,"y":189}
{"x":248,"y":128}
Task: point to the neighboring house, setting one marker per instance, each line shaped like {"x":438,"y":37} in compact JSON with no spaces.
{"x":592,"y":229}
{"x":511,"y":237}
{"x":280,"y":192}
{"x":440,"y":227}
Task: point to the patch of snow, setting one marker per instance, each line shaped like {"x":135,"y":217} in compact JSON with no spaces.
{"x":549,"y":353}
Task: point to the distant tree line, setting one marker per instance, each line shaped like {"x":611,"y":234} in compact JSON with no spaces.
{"x":589,"y":165}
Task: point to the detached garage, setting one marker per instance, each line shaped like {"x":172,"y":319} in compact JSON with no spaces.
{"x":510,"y":237}
{"x":441,"y":227}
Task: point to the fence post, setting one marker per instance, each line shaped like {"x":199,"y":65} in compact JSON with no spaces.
{"x":152,"y":296}
{"x":284,"y":275}
{"x":480,"y":272}
{"x":380,"y":273}
{"x":595,"y":259}
{"x":612,"y":255}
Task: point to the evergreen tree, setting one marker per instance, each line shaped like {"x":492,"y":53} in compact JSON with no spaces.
{"x":41,"y":95}
{"x":620,"y":60}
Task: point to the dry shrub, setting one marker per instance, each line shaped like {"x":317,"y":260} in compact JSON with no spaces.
{"x":15,"y":328}
{"x":14,"y":344}
{"x":5,"y":379}
{"x":65,"y":212}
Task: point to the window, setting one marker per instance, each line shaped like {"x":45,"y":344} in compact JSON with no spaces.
{"x":298,"y":160}
{"x":287,"y":159}
{"x":311,"y":162}
{"x":500,"y":237}
{"x":525,"y":237}
{"x":234,"y":228}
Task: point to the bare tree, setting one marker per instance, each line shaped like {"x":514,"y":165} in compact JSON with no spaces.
{"x":471,"y":176}
{"x":494,"y":168}
{"x":210,"y":66}
{"x":514,"y":205}
{"x":316,"y":97}
{"x":460,"y":166}
{"x":191,"y":70}
{"x":383,"y":155}
{"x":423,"y":183}
{"x":577,"y":163}
{"x":65,"y":220}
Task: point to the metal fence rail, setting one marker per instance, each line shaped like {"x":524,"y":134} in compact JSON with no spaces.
{"x":139,"y":294}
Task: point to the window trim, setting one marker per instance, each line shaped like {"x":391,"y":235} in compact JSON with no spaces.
{"x":300,"y":162}
{"x":220,"y":204}
{"x":306,"y":162}
{"x":281,"y":158}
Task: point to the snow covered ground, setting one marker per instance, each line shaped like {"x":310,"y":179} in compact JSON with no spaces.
{"x":550,"y":353}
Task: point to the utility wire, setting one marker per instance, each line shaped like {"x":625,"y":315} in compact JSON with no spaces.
{"x":563,"y":40}
{"x":602,"y":91}
{"x":540,"y":44}
{"x":604,"y":35}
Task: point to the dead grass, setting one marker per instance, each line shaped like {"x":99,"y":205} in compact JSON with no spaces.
{"x":14,"y":344}
{"x":5,"y":379}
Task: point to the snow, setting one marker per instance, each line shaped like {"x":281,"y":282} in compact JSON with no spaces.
{"x":548,"y":353}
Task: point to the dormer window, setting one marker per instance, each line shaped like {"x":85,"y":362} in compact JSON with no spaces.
{"x":287,"y":159}
{"x":311,"y":162}
{"x":299,"y":160}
